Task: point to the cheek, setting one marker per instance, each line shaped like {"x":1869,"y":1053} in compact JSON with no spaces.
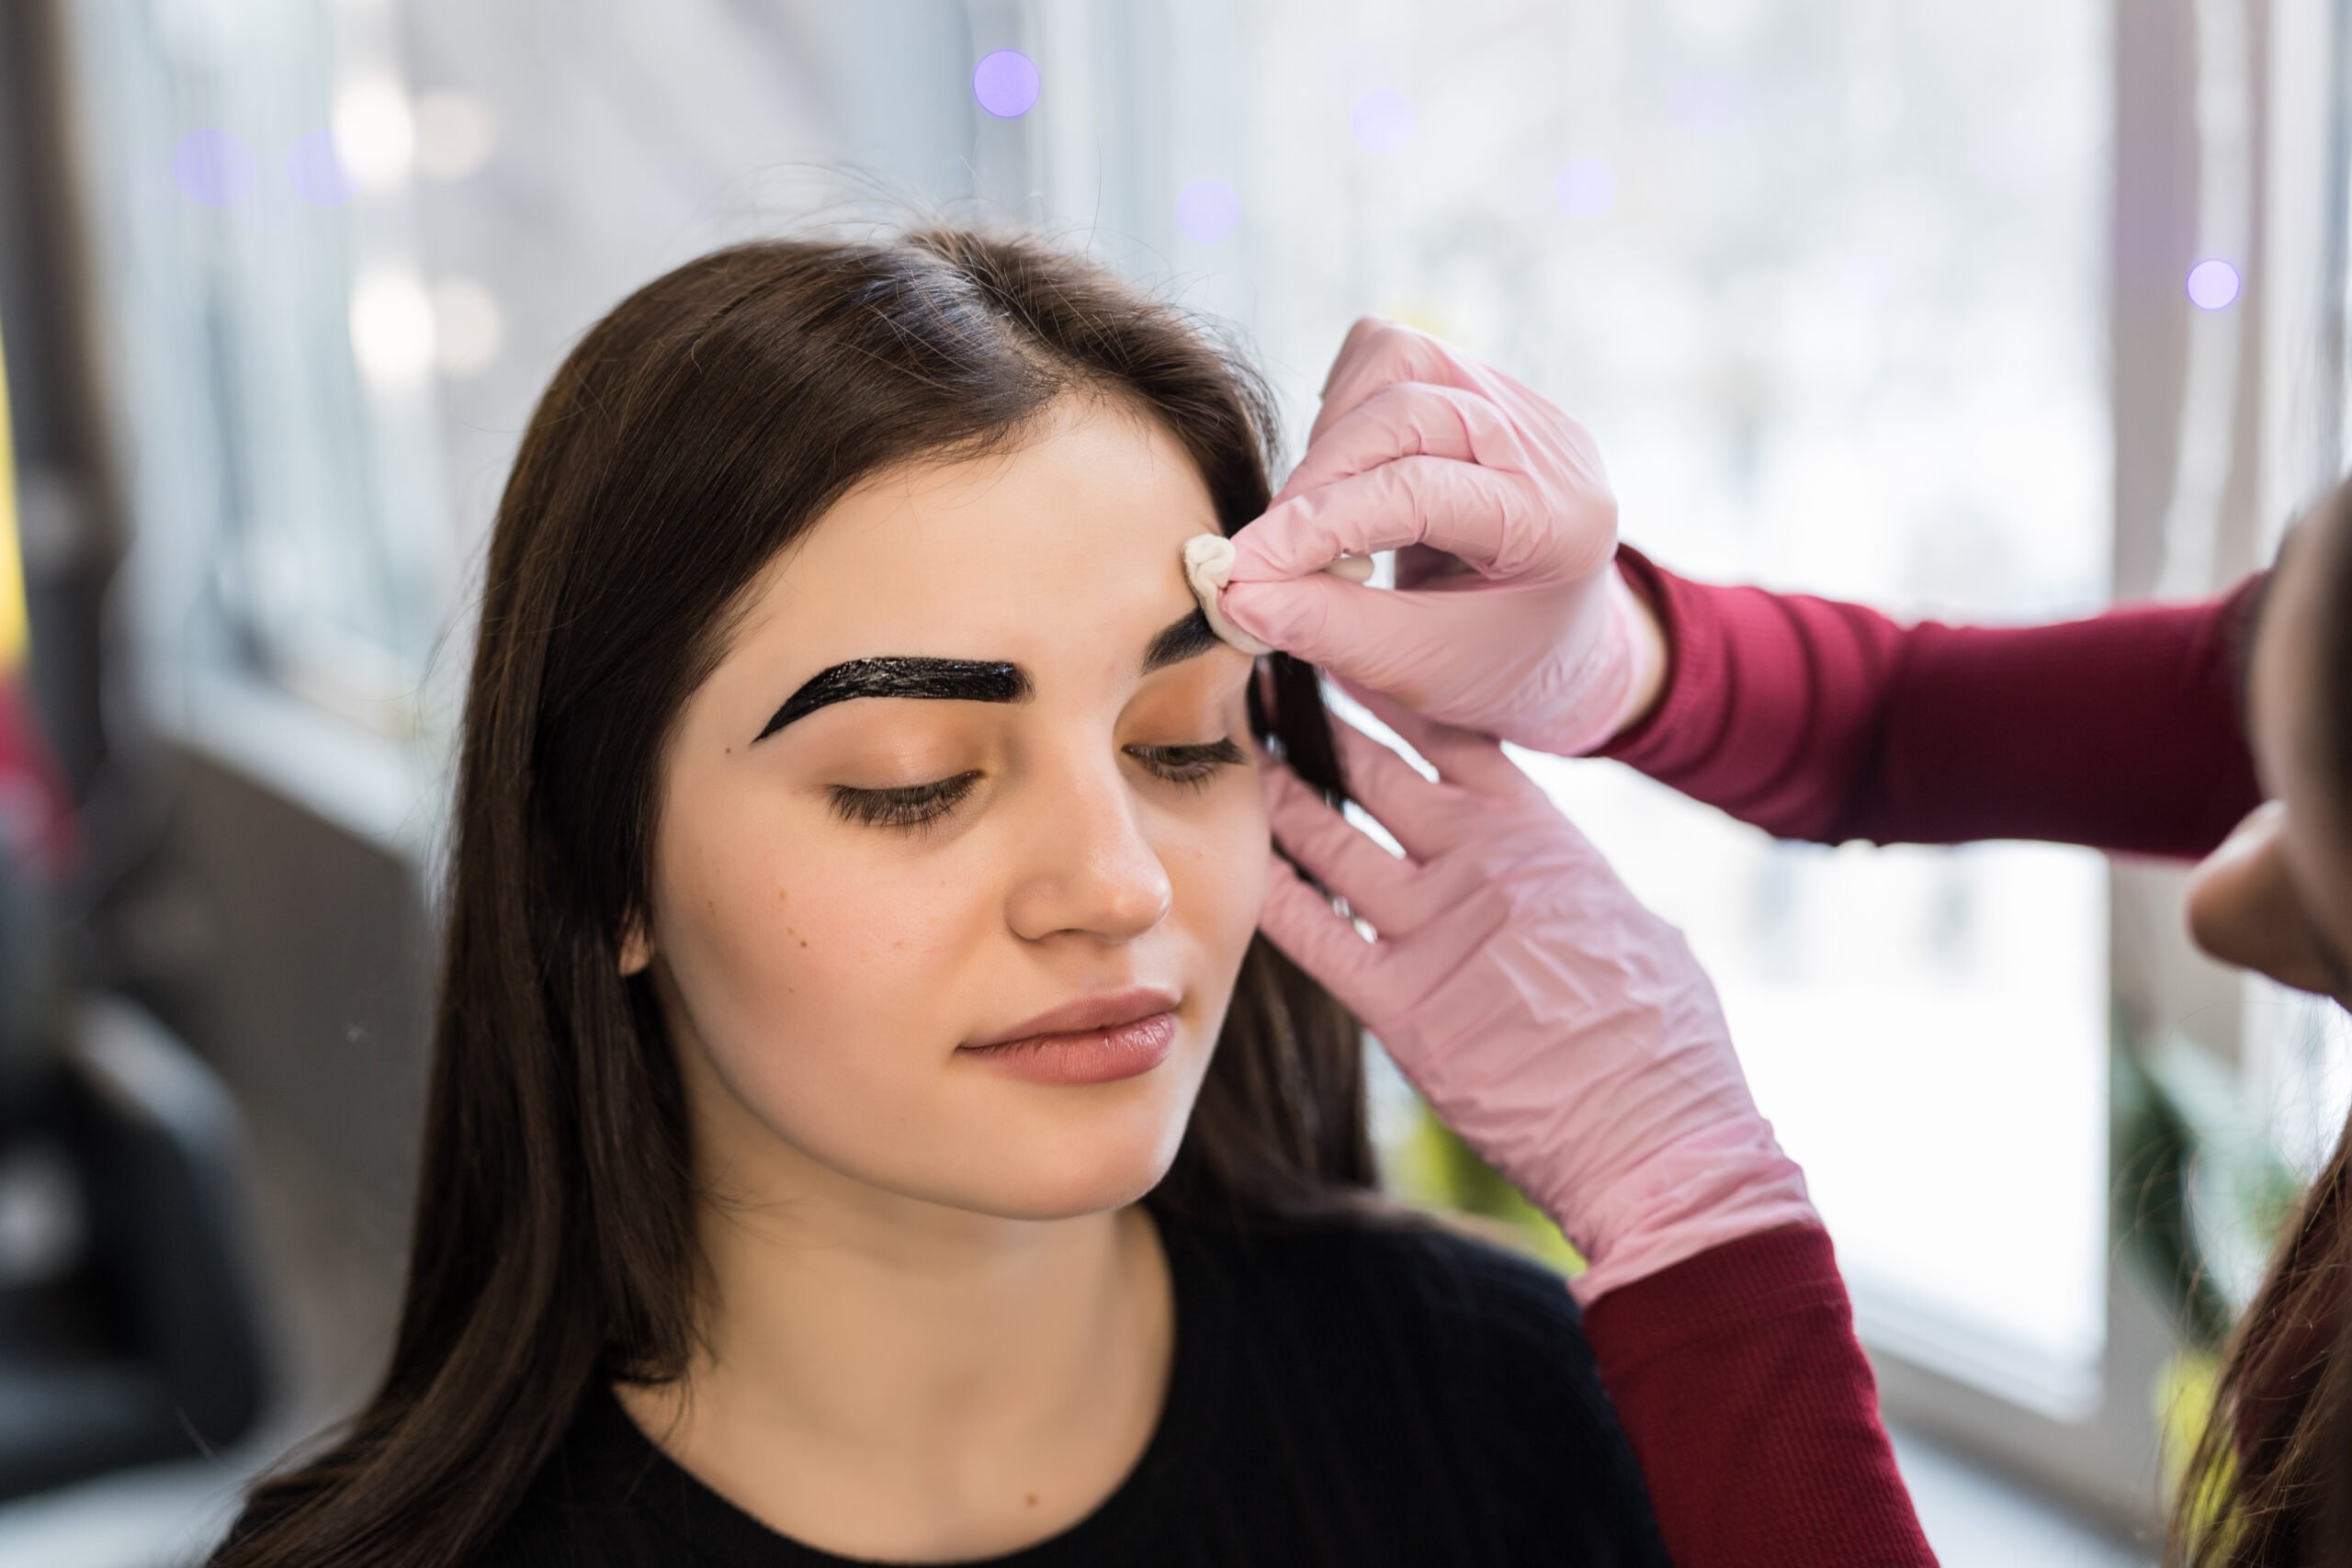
{"x":1216,"y":857}
{"x":827,"y":982}
{"x":785,"y":943}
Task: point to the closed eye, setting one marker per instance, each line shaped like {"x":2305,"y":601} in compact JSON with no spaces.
{"x":904,"y":807}
{"x":1192,"y":765}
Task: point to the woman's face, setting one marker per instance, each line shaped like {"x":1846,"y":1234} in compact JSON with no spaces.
{"x":2277,"y":896}
{"x":961,"y":845}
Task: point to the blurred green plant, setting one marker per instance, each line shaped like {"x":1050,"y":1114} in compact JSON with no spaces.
{"x":1433,"y":1168}
{"x":2202,"y":1193}
{"x":2201,"y":1196}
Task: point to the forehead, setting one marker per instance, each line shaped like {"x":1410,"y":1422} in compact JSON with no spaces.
{"x":1070,"y":538}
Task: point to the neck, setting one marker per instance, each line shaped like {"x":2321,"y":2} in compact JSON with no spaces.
{"x":926,"y":1330}
{"x":886,"y":1377}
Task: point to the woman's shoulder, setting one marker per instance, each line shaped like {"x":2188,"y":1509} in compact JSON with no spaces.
{"x":597,"y":1502}
{"x":1350,"y":1263}
{"x":1414,"y":1359}
{"x":1399,"y":1291}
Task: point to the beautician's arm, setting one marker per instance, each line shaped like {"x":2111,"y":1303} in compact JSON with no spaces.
{"x":1569,"y":1035}
{"x":1516,"y":614}
{"x":1753,"y":1410}
{"x":1821,"y":720}
{"x":1736,"y":1371}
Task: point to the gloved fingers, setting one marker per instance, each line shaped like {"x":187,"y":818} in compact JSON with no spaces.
{"x":1383,"y":638}
{"x":1409,"y":968}
{"x":1343,"y":858}
{"x":1379,"y":979}
{"x":1492,"y":518}
{"x":1396,"y":895}
{"x":1317,"y":938}
{"x":1422,"y":814}
{"x":1461,"y":756}
{"x":1380,"y":353}
{"x":1409,"y":419}
{"x":1419,"y":568}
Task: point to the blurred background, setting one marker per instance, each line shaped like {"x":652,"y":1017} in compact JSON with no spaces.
{"x":1989,"y":308}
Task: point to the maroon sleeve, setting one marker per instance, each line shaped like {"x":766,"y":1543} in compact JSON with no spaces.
{"x":1753,"y":1412}
{"x":1814,"y":719}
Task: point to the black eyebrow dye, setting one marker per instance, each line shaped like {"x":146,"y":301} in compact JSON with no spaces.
{"x":942,"y":680}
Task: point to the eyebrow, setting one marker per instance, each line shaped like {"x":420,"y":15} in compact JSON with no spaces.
{"x":1187,"y":639}
{"x":939,"y":679}
{"x":962,"y":680}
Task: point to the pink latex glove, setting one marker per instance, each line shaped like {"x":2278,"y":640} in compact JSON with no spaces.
{"x":1508,"y":616}
{"x":1560,"y":1027}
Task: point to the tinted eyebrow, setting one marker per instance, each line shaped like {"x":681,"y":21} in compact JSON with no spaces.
{"x":1187,"y":639}
{"x":941,"y":680}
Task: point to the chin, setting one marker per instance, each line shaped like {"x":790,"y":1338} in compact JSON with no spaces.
{"x":1035,"y":1152}
{"x":1075,"y":1172}
{"x":1081,"y":1188}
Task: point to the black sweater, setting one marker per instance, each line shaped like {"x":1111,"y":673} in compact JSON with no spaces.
{"x":1344,"y":1395}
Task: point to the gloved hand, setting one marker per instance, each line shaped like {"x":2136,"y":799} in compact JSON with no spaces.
{"x":1560,"y":1027}
{"x":1508,"y":617}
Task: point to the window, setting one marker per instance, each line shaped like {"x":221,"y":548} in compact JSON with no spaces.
{"x":1825,"y":280}
{"x":265,"y":309}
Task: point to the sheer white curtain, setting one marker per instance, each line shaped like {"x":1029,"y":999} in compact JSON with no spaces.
{"x":342,"y":248}
{"x":1823,"y":276}
{"x":1826,"y":278}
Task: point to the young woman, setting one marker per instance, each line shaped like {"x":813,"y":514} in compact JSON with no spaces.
{"x":1725,"y":1337}
{"x":865,"y":1124}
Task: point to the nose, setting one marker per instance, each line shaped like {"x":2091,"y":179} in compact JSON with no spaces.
{"x":1090,"y":869}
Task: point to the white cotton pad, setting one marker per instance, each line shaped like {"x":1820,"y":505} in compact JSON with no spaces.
{"x":1208,"y":567}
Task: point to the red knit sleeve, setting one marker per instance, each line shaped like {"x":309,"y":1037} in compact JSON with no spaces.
{"x":1815,"y":719}
{"x":1754,"y":1417}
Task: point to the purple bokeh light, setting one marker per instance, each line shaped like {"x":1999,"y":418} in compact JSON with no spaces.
{"x":314,"y":171}
{"x":1006,"y":83}
{"x":1208,"y":211}
{"x":1585,"y":188}
{"x":1706,"y":101}
{"x":1382,"y":120}
{"x":213,"y":167}
{"x":2212,"y":284}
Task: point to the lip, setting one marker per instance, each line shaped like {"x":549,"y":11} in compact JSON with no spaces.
{"x":1094,"y":1040}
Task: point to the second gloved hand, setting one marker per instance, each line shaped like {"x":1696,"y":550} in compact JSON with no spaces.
{"x":1559,"y":1026}
{"x":1508,"y":616}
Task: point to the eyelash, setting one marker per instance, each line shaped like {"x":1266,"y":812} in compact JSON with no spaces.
{"x":912,"y":807}
{"x":1192,"y":766}
{"x":908,"y":807}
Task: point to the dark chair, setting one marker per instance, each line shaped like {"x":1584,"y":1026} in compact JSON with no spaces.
{"x":128,"y":1323}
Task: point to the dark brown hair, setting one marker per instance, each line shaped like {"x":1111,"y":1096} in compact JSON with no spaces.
{"x":2269,"y":1483}
{"x":698,"y":429}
